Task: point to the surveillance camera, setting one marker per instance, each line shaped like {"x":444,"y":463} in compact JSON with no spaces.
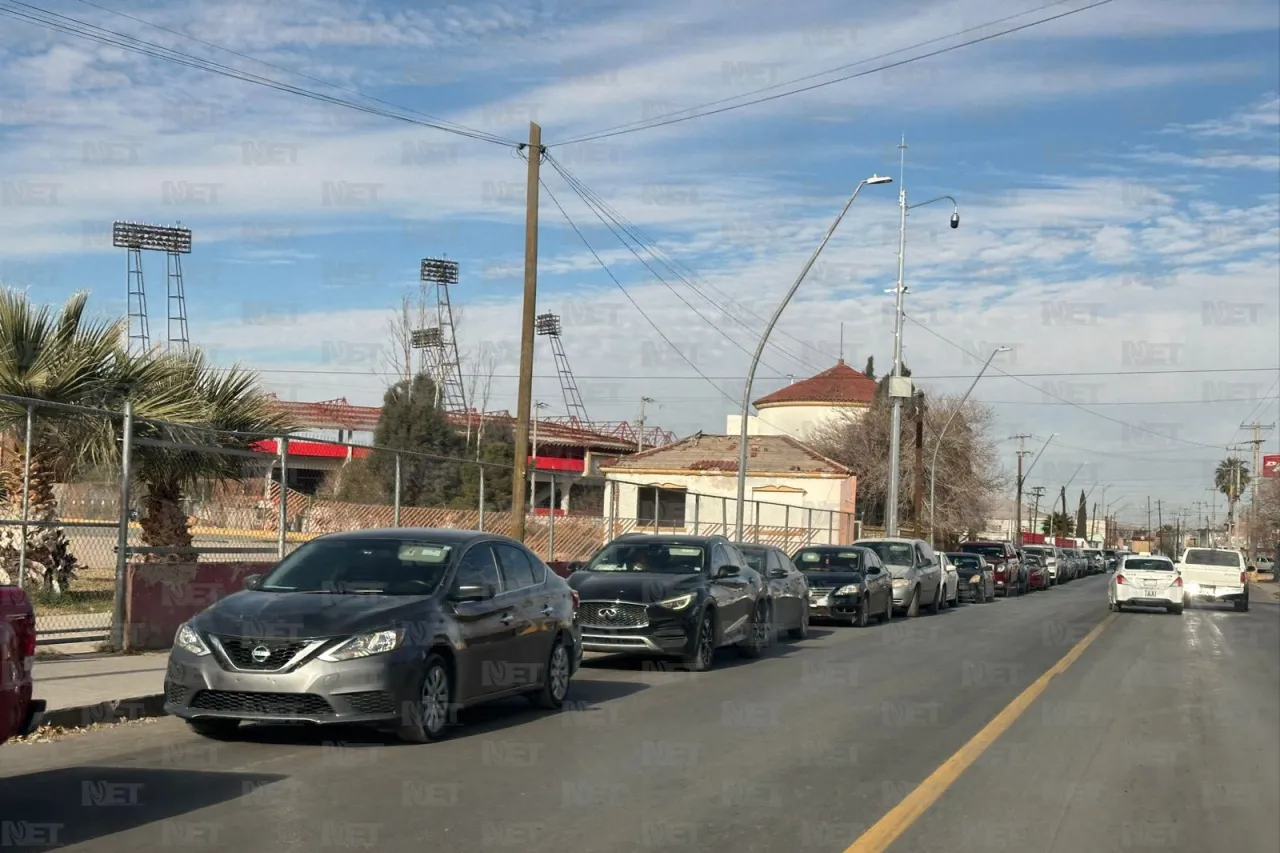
{"x":955,"y":220}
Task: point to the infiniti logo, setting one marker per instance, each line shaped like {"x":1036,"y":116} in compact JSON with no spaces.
{"x":260,"y":654}
{"x":609,"y":613}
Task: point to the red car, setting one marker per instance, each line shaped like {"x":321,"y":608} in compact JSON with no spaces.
{"x":1037,"y":572}
{"x":1011,"y":576}
{"x":19,"y":713}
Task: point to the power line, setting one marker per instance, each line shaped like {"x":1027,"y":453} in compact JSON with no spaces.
{"x":102,"y":35}
{"x":677,"y":118}
{"x":287,"y":70}
{"x":739,"y":378}
{"x":1074,"y":405}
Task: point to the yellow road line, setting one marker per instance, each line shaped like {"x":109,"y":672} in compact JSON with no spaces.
{"x":886,"y":830}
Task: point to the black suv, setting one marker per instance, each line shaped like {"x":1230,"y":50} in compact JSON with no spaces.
{"x":671,"y":595}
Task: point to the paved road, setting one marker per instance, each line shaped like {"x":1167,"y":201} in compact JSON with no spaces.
{"x":1161,"y":734}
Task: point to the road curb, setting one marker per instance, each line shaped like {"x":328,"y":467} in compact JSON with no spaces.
{"x":109,"y":711}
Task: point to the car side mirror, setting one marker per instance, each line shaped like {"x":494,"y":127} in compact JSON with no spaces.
{"x":728,"y":570}
{"x":472,"y":592}
{"x":778,"y":574}
{"x":873,"y":571}
{"x":252,"y":581}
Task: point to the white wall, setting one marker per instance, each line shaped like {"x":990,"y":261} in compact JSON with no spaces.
{"x":796,"y":421}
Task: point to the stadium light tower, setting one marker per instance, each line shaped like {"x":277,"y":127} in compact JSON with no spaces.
{"x":441,"y":339}
{"x":174,"y":242}
{"x":548,"y":326}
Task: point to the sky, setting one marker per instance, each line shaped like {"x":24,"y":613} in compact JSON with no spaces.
{"x":1117,"y":173}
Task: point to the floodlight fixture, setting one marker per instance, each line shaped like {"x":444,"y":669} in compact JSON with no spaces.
{"x":547,"y":324}
{"x":439,"y":271}
{"x":160,"y":238}
{"x":426,"y":338}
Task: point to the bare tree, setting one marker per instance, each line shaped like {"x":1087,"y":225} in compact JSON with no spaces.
{"x":970,"y":476}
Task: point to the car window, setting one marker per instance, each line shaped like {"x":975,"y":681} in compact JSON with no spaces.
{"x":775,"y":562}
{"x":1148,"y":564}
{"x":476,"y":568}
{"x":660,"y":557}
{"x":386,"y":566}
{"x":517,"y":572}
{"x":1209,"y":557}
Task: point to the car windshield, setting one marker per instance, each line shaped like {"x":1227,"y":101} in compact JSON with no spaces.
{"x":892,"y":553}
{"x":829,"y":561}
{"x":1038,"y":552}
{"x":1148,"y":564}
{"x":755,"y":557}
{"x":668,"y":558}
{"x":1208,"y":557}
{"x":965,"y":561}
{"x":362,"y":566}
{"x":987,"y":551}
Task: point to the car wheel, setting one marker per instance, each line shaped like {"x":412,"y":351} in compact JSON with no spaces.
{"x":550,"y":697}
{"x":430,"y":714}
{"x":704,"y":644}
{"x":936,"y":607}
{"x":218,"y":729}
{"x":1176,"y":610}
{"x":913,"y":608}
{"x":1115,"y":607}
{"x":955,"y":602}
{"x":887,"y":616}
{"x":802,"y":632}
{"x":1242,"y":604}
{"x":758,"y":633}
{"x":864,"y":617}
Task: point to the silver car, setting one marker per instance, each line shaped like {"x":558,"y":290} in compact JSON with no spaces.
{"x":916,"y":570}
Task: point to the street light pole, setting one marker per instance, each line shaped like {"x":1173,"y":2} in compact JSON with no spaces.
{"x":933,"y":465}
{"x":764,"y":338}
{"x":895,"y":430}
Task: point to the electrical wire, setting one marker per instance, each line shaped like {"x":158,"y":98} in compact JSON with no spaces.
{"x":1071,"y":403}
{"x":101,"y":35}
{"x":677,"y":118}
{"x":356,"y":92}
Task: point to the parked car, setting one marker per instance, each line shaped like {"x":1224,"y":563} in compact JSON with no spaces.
{"x":1097,"y":562}
{"x":1049,"y":556}
{"x":977,"y":577}
{"x":950,"y":580}
{"x":847,"y":583}
{"x":1147,"y":581}
{"x":1011,"y":577}
{"x":916,"y":573}
{"x":1070,"y":565}
{"x":393,"y":628}
{"x":19,"y":713}
{"x":672,"y":595}
{"x":788,"y":588}
{"x":1214,"y":575}
{"x":1037,"y":571}
{"x":1110,"y":559}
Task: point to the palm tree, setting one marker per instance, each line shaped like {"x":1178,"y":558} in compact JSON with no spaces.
{"x":1231,"y":477}
{"x":59,"y":359}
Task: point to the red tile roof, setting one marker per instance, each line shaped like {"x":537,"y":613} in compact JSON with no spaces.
{"x":840,"y":384}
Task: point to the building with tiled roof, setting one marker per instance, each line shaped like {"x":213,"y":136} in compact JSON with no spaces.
{"x":802,"y":407}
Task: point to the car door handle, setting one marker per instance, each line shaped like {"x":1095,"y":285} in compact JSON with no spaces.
{"x":506,"y":619}
{"x":547,"y":610}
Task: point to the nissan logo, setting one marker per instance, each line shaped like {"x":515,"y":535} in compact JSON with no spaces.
{"x":609,"y":613}
{"x":260,"y":654}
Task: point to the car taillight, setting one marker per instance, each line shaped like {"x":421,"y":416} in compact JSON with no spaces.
{"x":1244,"y":578}
{"x":1119,"y":578}
{"x":577,"y":599}
{"x":1177,"y":581}
{"x":27,"y":635}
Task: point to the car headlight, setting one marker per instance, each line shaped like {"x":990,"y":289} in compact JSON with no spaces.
{"x":976,"y":579}
{"x":849,"y":589}
{"x":364,"y":645}
{"x":680,"y":602}
{"x":901,"y":583}
{"x":188,"y":640}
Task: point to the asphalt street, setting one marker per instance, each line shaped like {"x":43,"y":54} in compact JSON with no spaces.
{"x":1162,"y":733}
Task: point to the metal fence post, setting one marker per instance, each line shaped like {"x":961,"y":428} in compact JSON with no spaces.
{"x":284,"y":496}
{"x":119,"y":635}
{"x":808,"y":527}
{"x":831,"y":527}
{"x":26,"y":496}
{"x":697,"y":501}
{"x":395,"y":512}
{"x":480,"y":526}
{"x":551,"y":522}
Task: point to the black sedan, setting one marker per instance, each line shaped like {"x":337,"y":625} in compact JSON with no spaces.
{"x":788,"y":588}
{"x":394,"y":628}
{"x":847,"y":583}
{"x":977,"y":577}
{"x":670,"y":595}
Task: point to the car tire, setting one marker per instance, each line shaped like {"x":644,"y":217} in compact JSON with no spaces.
{"x":887,"y":616}
{"x":864,"y":616}
{"x":1116,"y":607}
{"x":936,"y":607}
{"x":1242,"y":604}
{"x":430,"y":721}
{"x":802,"y":632}
{"x":913,"y":607}
{"x":1176,"y":610}
{"x":703,"y":654}
{"x":550,"y":696}
{"x":214,"y":729}
{"x":955,"y":602}
{"x":759,"y":632}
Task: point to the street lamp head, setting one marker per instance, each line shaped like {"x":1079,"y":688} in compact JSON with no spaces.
{"x":955,"y":220}
{"x":1003,"y":349}
{"x":879,"y":179}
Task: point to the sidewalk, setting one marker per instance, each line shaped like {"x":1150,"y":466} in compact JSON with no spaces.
{"x":81,"y":691}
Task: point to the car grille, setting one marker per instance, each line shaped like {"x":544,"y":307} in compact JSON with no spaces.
{"x":371,"y":702}
{"x":608,"y":614}
{"x":240,"y":651}
{"x":820,"y":591}
{"x":267,"y":704}
{"x":175,"y":694}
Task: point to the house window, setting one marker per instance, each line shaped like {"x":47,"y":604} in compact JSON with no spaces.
{"x":663,"y":506}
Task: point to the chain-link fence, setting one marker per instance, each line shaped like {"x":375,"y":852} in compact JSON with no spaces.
{"x":178,"y":497}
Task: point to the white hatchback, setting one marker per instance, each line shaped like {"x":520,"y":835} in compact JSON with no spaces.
{"x":1143,"y":580}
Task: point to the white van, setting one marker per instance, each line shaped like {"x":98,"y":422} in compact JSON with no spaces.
{"x":1215,"y":574}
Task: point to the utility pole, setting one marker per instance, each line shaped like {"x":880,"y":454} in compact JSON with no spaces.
{"x":524,"y":395}
{"x":895,"y":434}
{"x":1017,"y":510}
{"x":1148,"y":515}
{"x":640,"y":424}
{"x":1037,"y":492}
{"x":1257,"y":473}
{"x":1160,"y":523}
{"x":1064,"y":510}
